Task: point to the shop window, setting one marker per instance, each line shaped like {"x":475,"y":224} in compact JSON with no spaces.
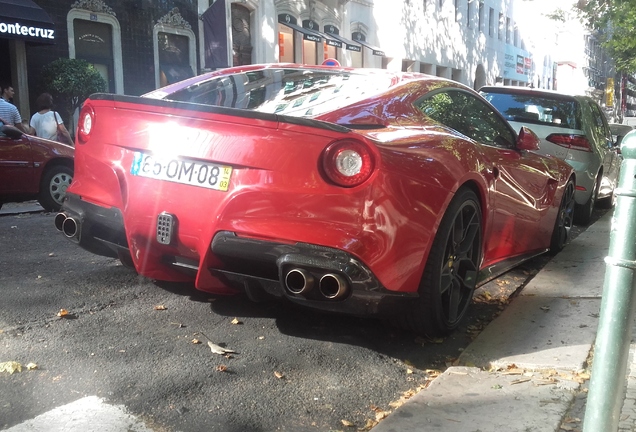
{"x":285,"y":44}
{"x":175,"y":50}
{"x":96,"y":38}
{"x":174,"y":61}
{"x":241,"y":36}
{"x":94,"y":43}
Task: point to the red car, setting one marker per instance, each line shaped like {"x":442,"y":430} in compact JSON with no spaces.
{"x":355,"y":191}
{"x":33,"y":168}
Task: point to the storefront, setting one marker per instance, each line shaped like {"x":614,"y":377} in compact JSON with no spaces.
{"x":22,"y":24}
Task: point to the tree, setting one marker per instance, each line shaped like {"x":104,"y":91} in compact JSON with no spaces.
{"x":70,"y":82}
{"x":615,"y":21}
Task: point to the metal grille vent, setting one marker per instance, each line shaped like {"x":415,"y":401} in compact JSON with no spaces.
{"x":165,"y":228}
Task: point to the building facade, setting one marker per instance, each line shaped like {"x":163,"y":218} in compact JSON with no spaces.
{"x":141,"y":45}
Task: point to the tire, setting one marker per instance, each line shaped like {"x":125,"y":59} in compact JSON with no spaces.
{"x":564,"y":219}
{"x":583,"y":213}
{"x":450,"y":274}
{"x":607,"y":202}
{"x":55,"y":181}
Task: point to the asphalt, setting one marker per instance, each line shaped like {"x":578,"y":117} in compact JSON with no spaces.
{"x":528,"y":370}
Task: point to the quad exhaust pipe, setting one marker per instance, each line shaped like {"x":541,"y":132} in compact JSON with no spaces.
{"x":67,"y":225}
{"x":331,"y":286}
{"x":299,"y":281}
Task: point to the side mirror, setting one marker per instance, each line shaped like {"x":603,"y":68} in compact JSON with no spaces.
{"x":11,"y":131}
{"x":527,"y":140}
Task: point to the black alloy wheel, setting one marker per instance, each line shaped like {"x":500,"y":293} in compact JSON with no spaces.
{"x":450,"y":274}
{"x":564,"y":219}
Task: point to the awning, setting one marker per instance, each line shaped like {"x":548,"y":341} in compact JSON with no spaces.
{"x":23,"y":19}
{"x":329,"y":39}
{"x":308,"y":34}
{"x":350,"y":45}
{"x":376,"y":51}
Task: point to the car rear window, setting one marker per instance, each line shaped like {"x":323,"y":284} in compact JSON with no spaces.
{"x":536,"y":109}
{"x":294,"y":92}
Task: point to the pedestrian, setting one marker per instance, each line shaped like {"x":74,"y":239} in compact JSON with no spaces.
{"x":48,"y":123}
{"x":9,"y":113}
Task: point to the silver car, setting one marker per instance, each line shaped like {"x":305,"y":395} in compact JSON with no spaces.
{"x":572,"y":128}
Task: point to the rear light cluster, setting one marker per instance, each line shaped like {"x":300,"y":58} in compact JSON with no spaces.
{"x":348,"y":163}
{"x":573,"y":142}
{"x":86,"y":123}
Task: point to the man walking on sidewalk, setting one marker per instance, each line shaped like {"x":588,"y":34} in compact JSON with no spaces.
{"x":9,"y":113}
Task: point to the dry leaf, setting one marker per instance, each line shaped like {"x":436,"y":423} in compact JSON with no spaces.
{"x":196,"y":341}
{"x":11,"y":367}
{"x":216,"y":349}
{"x":62,"y":313}
{"x":347,"y":423}
{"x":31,"y":366}
{"x":236,"y":321}
{"x":381,"y":415}
{"x":221,"y":368}
{"x":545,"y":308}
{"x":520,"y":380}
{"x":369,"y":425}
{"x":409,"y":371}
{"x":160,"y":307}
{"x":279,"y":375}
{"x":51,"y":254}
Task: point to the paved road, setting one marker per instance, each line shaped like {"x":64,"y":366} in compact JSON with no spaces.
{"x":130,"y":341}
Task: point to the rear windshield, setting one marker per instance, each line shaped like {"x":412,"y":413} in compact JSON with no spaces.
{"x":294,"y":92}
{"x":535,"y":109}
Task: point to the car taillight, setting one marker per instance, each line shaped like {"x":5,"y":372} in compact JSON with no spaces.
{"x":347,"y":163}
{"x":86,"y":123}
{"x":574,"y":142}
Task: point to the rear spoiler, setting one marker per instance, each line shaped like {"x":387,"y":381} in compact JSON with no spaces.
{"x":213,"y":109}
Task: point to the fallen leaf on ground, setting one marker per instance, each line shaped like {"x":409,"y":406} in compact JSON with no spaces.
{"x":221,"y":368}
{"x":278,"y":375}
{"x":381,"y":415}
{"x":520,"y":380}
{"x":62,"y":313}
{"x":11,"y":367}
{"x":347,"y":423}
{"x":216,"y":349}
{"x":160,"y":307}
{"x":196,"y":341}
{"x":31,"y":366}
{"x":409,"y":371}
{"x":545,"y":308}
{"x":236,"y":321}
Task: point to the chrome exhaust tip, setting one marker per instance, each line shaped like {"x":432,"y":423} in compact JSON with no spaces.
{"x":69,"y":227}
{"x":299,"y":281}
{"x":59,"y":221}
{"x":333,"y":286}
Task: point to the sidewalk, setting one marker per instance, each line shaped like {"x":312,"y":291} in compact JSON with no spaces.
{"x":524,"y":371}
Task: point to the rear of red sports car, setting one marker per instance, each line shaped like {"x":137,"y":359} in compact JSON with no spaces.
{"x":269,"y":180}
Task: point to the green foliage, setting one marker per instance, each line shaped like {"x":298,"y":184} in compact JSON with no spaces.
{"x":70,"y":82}
{"x":615,"y":20}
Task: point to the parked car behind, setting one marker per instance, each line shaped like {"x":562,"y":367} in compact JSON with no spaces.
{"x":619,"y":131}
{"x":349,"y":190}
{"x":33,"y":168}
{"x":572,"y":128}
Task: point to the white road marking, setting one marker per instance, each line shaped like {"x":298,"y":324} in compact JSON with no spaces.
{"x":84,"y":415}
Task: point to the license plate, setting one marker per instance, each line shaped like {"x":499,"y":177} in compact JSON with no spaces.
{"x":184,"y":171}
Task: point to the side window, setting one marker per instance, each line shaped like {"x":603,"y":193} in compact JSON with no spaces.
{"x":468,"y":115}
{"x":601,"y":128}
